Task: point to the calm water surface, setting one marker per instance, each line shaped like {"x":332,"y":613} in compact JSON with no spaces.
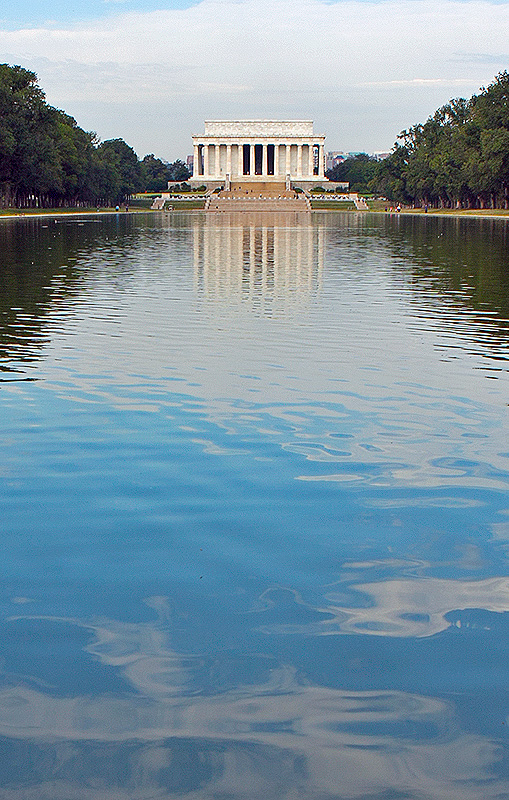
{"x":254,"y":508}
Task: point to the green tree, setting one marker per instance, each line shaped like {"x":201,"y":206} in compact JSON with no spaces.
{"x":29,"y":161}
{"x":178,"y":171}
{"x":491,"y":108}
{"x":389,"y":179}
{"x":155,"y":174}
{"x":121,"y":169}
{"x":76,"y":153}
{"x":358,"y":170}
{"x":459,"y":156}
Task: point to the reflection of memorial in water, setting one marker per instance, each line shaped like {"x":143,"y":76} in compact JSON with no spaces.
{"x":268,"y":260}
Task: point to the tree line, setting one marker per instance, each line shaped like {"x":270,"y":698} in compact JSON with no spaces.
{"x":47,"y":160}
{"x":458,"y":158}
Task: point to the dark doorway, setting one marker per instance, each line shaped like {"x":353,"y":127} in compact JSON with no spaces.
{"x":270,"y":159}
{"x":246,"y":159}
{"x":258,"y":159}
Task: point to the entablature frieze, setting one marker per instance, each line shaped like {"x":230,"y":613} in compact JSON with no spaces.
{"x":241,"y":128}
{"x":239,"y":141}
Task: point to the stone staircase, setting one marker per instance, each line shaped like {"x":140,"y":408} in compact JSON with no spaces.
{"x":359,"y":202}
{"x":257,"y":197}
{"x":159,"y":202}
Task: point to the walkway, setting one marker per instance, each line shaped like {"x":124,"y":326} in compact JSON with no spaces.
{"x":258,"y":197}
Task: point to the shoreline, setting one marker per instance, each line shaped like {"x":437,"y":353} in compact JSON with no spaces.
{"x":59,"y":213}
{"x":461,"y":213}
{"x":418,"y":212}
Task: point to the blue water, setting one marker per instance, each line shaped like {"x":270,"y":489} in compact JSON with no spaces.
{"x":254,"y":507}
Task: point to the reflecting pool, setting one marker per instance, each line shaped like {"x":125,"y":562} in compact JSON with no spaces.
{"x":254,"y":507}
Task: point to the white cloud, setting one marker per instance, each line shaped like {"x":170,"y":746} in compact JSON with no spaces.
{"x":363,"y":70}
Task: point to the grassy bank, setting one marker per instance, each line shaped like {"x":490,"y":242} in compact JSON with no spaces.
{"x":134,"y":208}
{"x":459,"y":212}
{"x":198,"y":204}
{"x":41,"y":212}
{"x":180,"y":205}
{"x":381,"y":207}
{"x":332,"y":205}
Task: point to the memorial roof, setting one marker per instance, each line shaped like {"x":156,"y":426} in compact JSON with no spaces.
{"x":259,"y":127}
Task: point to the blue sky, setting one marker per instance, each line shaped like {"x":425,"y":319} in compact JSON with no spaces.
{"x":152,"y":71}
{"x":39,"y":12}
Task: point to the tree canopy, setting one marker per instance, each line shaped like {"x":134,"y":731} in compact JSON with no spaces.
{"x":358,"y":170}
{"x":458,"y":158}
{"x":158,"y":174}
{"x":47,"y":160}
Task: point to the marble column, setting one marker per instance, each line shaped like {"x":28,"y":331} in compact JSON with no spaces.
{"x":229,"y":159}
{"x":205,"y":161}
{"x":265,"y":164}
{"x":217,"y":165}
{"x":311,"y":161}
{"x":299,"y":161}
{"x":320,"y":161}
{"x":196,"y":161}
{"x":276,"y":159}
{"x":288,"y":170}
{"x":252,"y":167}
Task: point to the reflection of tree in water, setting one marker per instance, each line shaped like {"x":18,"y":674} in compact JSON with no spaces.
{"x":468,"y":256}
{"x":457,"y":268}
{"x":38,"y":267}
{"x":457,"y":272}
{"x":42,"y":269}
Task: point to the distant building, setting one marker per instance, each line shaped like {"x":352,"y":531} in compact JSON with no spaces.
{"x":189,"y":163}
{"x":333,"y":158}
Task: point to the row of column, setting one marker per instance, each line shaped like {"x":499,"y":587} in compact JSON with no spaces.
{"x":264,"y":172}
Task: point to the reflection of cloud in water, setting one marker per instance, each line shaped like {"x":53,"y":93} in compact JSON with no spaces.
{"x":403,"y":608}
{"x":273,"y":738}
{"x":419,"y":607}
{"x":214,"y":449}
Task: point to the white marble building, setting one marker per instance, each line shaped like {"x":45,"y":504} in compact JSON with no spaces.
{"x":263,"y":150}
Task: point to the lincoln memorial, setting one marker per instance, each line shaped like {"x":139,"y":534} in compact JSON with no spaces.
{"x":254,"y":151}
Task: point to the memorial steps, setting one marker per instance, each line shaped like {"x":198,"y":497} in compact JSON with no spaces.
{"x":260,"y":196}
